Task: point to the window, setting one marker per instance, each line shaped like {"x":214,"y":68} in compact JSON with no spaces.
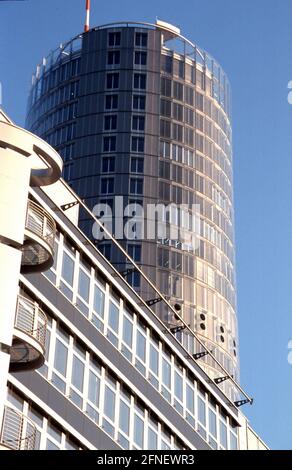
{"x":110,"y":122}
{"x":111,"y":102}
{"x":189,"y":136}
{"x":137,"y":144}
{"x":61,"y":356}
{"x":178,"y":112}
{"x":112,"y":80}
{"x":189,"y":96}
{"x":127,"y":336}
{"x":166,"y":63}
{"x":140,"y":81}
{"x":93,"y":388}
{"x":136,"y":185}
{"x":153,"y":364}
{"x":139,"y":102}
{"x":177,"y":132}
{"x":141,"y":40}
{"x":165,"y":128}
{"x":190,"y":404}
{"x":140,"y":350}
{"x":134,"y":279}
{"x":137,"y":165}
{"x":107,"y":185}
{"x":67,"y":275}
{"x":77,"y":373}
{"x":113,"y":57}
{"x":200,"y":101}
{"x":114,"y":39}
{"x":98,"y":307}
{"x":83,"y":291}
{"x":138,"y":123}
{"x":108,"y":164}
{"x":166,"y":378}
{"x":165,"y":108}
{"x":113,"y":323}
{"x":164,"y":149}
{"x":189,"y":116}
{"x":140,"y":58}
{"x":202,"y":416}
{"x":138,"y":431}
{"x":212,"y":423}
{"x":124,"y":419}
{"x":109,"y":144}
{"x":135,"y":252}
{"x":178,"y":91}
{"x":166,"y":86}
{"x":164,"y":170}
{"x":223,"y":435}
{"x":178,"y":391}
{"x":109,"y":409}
{"x":105,"y":249}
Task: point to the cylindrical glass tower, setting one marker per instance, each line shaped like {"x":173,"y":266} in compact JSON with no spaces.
{"x":138,"y":111}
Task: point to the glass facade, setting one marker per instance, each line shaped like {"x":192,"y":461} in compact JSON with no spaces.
{"x":78,"y":373}
{"x":159,"y":121}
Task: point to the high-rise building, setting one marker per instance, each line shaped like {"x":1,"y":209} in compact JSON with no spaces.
{"x":85,"y":362}
{"x":138,"y":111}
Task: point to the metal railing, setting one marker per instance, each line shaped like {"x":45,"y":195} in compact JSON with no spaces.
{"x":40,"y":222}
{"x":30,"y":319}
{"x":18,"y":432}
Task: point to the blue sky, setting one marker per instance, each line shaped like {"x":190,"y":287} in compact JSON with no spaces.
{"x":252,"y":41}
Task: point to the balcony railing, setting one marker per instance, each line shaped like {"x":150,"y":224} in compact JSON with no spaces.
{"x":38,"y":249}
{"x":18,"y":432}
{"x":31,"y":319}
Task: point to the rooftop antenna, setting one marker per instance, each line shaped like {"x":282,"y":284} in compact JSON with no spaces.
{"x":86,"y":26}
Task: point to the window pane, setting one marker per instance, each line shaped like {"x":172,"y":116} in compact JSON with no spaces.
{"x":61,"y":354}
{"x":154,"y":359}
{"x":127,"y":332}
{"x":68,"y":268}
{"x":223,"y":435}
{"x":113,"y":317}
{"x":93,"y":388}
{"x":152,"y":440}
{"x":51,"y":446}
{"x":212,"y":423}
{"x":124,"y":417}
{"x":138,"y":431}
{"x":98,"y":301}
{"x":190,"y":399}
{"x":109,"y":403}
{"x":84,"y":283}
{"x":141,"y":346}
{"x":77,"y":373}
{"x":166,"y":373}
{"x":178,"y":386}
{"x":202,"y":411}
